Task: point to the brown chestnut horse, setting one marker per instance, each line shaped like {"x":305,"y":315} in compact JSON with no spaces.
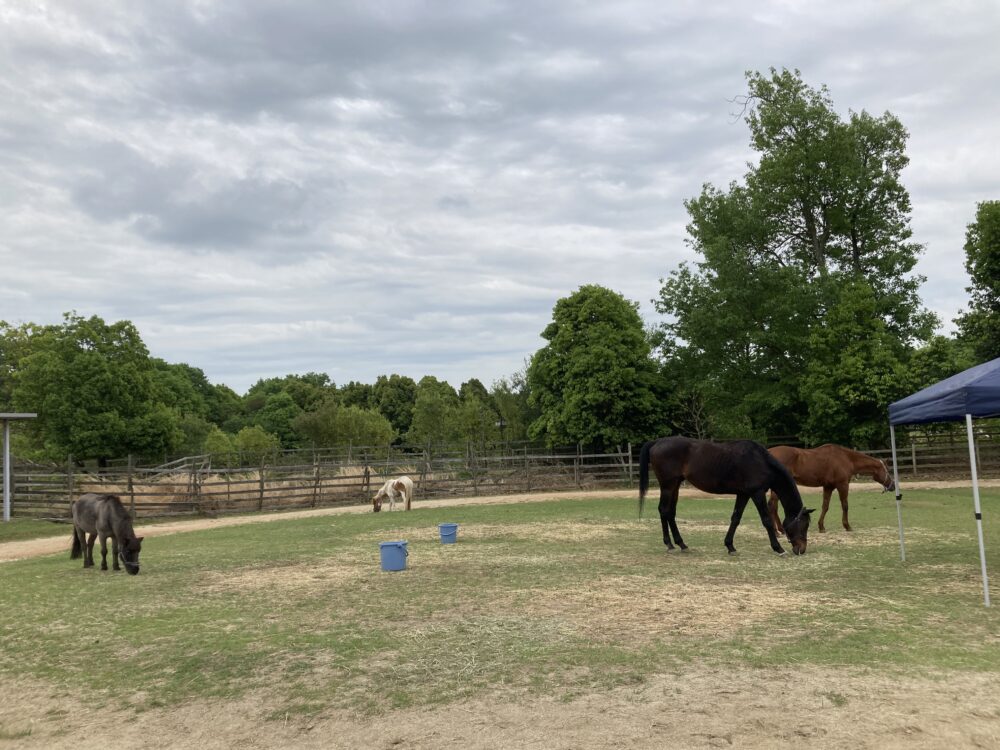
{"x":742,"y":468}
{"x":830,"y":467}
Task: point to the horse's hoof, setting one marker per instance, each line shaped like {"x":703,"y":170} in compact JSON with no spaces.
{"x":848,"y":528}
{"x":684,"y":549}
{"x":732,"y":552}
{"x":781,"y":553}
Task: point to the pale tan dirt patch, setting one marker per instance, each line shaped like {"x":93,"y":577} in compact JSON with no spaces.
{"x":289,"y":578}
{"x":647,"y":609}
{"x":695,"y":708}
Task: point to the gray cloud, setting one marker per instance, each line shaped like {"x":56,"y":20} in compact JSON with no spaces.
{"x":361,"y":188}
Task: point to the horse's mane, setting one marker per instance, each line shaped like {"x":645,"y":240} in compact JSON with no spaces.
{"x":783,"y":485}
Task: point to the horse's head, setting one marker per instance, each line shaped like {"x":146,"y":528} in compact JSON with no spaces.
{"x":129,"y":554}
{"x":796,"y":529}
{"x":377,"y":501}
{"x":883,"y":477}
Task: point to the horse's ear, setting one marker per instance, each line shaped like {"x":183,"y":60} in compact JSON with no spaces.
{"x":139,"y":538}
{"x":807,"y":511}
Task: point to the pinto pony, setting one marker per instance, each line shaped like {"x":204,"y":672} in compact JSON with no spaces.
{"x":103,"y":516}
{"x":401,"y":488}
{"x":742,"y":468}
{"x":830,"y":467}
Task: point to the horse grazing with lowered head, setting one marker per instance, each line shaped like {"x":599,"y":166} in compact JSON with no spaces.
{"x":401,"y":488}
{"x":830,"y":467}
{"x":104,"y":516}
{"x":743,"y":468}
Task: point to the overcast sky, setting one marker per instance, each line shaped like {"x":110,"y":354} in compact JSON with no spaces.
{"x":361,"y":188}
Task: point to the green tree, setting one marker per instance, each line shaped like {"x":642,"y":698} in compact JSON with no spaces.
{"x":435,"y":413}
{"x":822,"y":211}
{"x":854,"y":372}
{"x":357,"y":394}
{"x":595,"y":382}
{"x":394,"y":397}
{"x":514,"y":413}
{"x":220,"y":445}
{"x":277,"y":417}
{"x":254,"y":444}
{"x":980,"y":324}
{"x":92,"y":385}
{"x":336,"y":424}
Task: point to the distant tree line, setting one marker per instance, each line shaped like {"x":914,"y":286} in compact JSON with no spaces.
{"x":801,"y":319}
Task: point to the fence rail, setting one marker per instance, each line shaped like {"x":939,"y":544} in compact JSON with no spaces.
{"x":303,"y":479}
{"x":195,"y":487}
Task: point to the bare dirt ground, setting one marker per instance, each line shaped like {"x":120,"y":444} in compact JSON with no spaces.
{"x":697,"y":707}
{"x":706,"y":708}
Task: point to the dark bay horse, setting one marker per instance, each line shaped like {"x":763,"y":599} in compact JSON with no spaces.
{"x":742,"y":468}
{"x":830,"y":467}
{"x":104,"y":516}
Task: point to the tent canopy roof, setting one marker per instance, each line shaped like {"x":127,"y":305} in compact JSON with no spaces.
{"x":975,"y":391}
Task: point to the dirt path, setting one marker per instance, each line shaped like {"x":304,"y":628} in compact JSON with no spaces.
{"x":20,"y":550}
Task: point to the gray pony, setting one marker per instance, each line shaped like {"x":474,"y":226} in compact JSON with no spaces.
{"x":103,"y":516}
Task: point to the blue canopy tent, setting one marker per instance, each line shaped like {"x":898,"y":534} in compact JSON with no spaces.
{"x":971,"y":394}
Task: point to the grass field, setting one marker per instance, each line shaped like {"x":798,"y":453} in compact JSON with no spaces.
{"x":560,"y":599}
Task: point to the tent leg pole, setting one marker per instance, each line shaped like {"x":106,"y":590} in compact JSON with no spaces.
{"x":978,"y":509}
{"x":899,"y":493}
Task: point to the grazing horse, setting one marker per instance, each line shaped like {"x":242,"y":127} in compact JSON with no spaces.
{"x":103,"y":516}
{"x":830,"y":467}
{"x":743,"y":468}
{"x":401,"y":488}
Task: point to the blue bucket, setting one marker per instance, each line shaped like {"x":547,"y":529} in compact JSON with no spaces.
{"x":393,"y":555}
{"x":448,"y":532}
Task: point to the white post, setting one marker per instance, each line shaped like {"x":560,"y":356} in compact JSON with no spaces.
{"x":979,"y":512}
{"x":899,"y":493}
{"x":6,"y":470}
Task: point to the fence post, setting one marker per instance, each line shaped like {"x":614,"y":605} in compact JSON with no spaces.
{"x":195,"y":489}
{"x":576,"y":465}
{"x":913,"y":456}
{"x":69,"y":478}
{"x":315,"y":480}
{"x":131,"y":488}
{"x":527,"y":471}
{"x":630,"y":468}
{"x":260,"y":497}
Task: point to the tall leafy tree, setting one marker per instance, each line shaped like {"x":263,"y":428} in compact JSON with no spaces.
{"x":277,"y":417}
{"x":822,"y":214}
{"x":92,"y":385}
{"x":435,"y":413}
{"x":394,"y":396}
{"x":595,"y":382}
{"x":980,"y":324}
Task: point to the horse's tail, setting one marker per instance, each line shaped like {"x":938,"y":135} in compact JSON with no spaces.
{"x":77,"y":549}
{"x":783,"y":485}
{"x":644,"y":473}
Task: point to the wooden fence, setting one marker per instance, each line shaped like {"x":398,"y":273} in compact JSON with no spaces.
{"x":196,"y":487}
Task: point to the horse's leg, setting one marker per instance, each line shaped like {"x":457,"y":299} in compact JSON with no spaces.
{"x":842,"y":491}
{"x":734,"y":521}
{"x":672,"y":517}
{"x":668,"y":509}
{"x":114,"y":553}
{"x":772,"y":508}
{"x":87,"y":547}
{"x":768,"y":521}
{"x":104,"y":551}
{"x":827,"y":493}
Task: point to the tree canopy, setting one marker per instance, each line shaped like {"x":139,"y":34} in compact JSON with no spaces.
{"x":594,"y":382}
{"x":812,"y":251}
